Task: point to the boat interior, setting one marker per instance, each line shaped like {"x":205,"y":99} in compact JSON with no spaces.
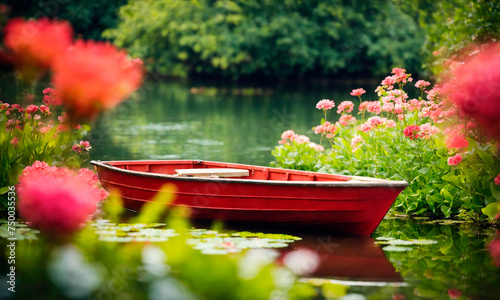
{"x":207,"y":169}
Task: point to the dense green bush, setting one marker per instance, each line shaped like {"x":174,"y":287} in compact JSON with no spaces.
{"x":88,"y":18}
{"x":450,"y":26}
{"x":268,"y":38}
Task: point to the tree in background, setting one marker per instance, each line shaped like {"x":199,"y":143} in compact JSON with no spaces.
{"x":243,"y":38}
{"x":452,"y":26}
{"x":89,"y":18}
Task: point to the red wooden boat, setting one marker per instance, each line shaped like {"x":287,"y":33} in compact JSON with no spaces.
{"x":245,"y":193}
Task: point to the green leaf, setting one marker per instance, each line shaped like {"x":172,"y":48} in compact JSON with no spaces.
{"x":491,"y":210}
{"x":485,"y":157}
{"x":495,"y":191}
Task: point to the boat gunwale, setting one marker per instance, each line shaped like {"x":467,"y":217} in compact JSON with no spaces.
{"x":357,"y":181}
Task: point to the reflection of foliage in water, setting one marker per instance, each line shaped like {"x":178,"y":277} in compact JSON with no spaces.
{"x":458,"y":262}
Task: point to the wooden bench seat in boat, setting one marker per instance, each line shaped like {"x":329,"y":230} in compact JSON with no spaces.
{"x":212,"y":172}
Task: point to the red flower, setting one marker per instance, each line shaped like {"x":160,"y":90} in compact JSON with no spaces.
{"x":455,"y":160}
{"x":92,"y":77}
{"x":476,"y":89}
{"x":454,"y":293}
{"x":497,"y":180}
{"x":34,"y":44}
{"x":412,"y":132}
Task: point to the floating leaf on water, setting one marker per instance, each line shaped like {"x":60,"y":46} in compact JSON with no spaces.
{"x":424,"y":242}
{"x":396,"y":249}
{"x":400,"y":242}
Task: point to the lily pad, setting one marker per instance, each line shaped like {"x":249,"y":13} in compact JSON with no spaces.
{"x":396,"y":249}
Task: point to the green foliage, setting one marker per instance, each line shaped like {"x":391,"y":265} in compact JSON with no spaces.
{"x":88,"y":18}
{"x":451,"y":26}
{"x":26,"y":138}
{"x":267,"y":38}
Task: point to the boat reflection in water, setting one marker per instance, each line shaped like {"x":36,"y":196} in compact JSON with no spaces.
{"x":349,"y":260}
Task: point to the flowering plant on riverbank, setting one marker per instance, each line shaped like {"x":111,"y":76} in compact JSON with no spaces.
{"x":88,"y":77}
{"x":450,"y":169}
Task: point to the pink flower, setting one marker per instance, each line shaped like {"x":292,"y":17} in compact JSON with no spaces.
{"x":364,"y":127}
{"x":326,"y":128}
{"x":412,"y":132}
{"x":287,"y":135}
{"x":317,"y":147}
{"x":56,"y":207}
{"x":301,"y":139}
{"x":427,"y":130}
{"x":31,"y":109}
{"x":345,"y":106}
{"x":14,"y":141}
{"x":476,"y":91}
{"x":51,"y":97}
{"x":374,"y":107}
{"x":497,"y":180}
{"x":456,"y":140}
{"x":345,"y":120}
{"x":389,"y":80}
{"x":421,"y":84}
{"x":35,"y":44}
{"x":325,"y":104}
{"x":357,"y":92}
{"x":355,"y":141}
{"x":56,"y":200}
{"x":83,"y":145}
{"x":94,"y":76}
{"x":45,"y":110}
{"x":454,"y":160}
{"x":391,"y":123}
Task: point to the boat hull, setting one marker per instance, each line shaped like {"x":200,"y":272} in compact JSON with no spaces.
{"x":339,"y":205}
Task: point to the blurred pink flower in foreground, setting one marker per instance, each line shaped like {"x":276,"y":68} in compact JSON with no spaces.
{"x":57,"y":201}
{"x":35,"y":44}
{"x":93,"y":76}
{"x":475,"y":89}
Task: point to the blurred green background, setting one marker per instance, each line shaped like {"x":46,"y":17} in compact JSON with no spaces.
{"x":279,"y":39}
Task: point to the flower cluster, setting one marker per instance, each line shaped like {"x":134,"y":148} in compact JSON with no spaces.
{"x":57,"y":201}
{"x":345,"y":106}
{"x":289,"y":136}
{"x":82,"y":146}
{"x":88,"y":76}
{"x":326,"y":128}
